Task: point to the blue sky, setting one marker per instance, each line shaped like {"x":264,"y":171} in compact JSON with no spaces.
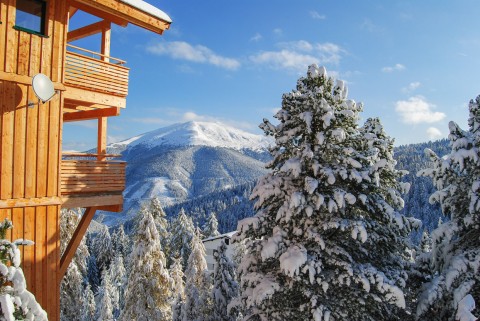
{"x":414,"y":64}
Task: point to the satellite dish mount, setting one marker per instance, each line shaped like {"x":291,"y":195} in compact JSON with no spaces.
{"x":43,"y":88}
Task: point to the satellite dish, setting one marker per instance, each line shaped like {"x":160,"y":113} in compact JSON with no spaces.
{"x":43,"y":87}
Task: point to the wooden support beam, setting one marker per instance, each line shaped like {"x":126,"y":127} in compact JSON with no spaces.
{"x":87,"y":31}
{"x":105,"y":46}
{"x":86,"y":200}
{"x":102,"y":138}
{"x":99,"y":13}
{"x":30,"y":202}
{"x":91,"y":97}
{"x":128,"y":13}
{"x":91,"y":114}
{"x":75,"y":240}
{"x":25,"y":80}
{"x":72,"y":11}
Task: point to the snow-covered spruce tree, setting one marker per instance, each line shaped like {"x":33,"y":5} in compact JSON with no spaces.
{"x":121,"y":242}
{"x":16,"y":302}
{"x":197,"y":305}
{"x":327,"y":242}
{"x":105,"y":291}
{"x":178,"y":289}
{"x":72,"y":286}
{"x":147,"y":295}
{"x":118,"y":279}
{"x":455,"y":257}
{"x":182,"y":234}
{"x":87,"y":313}
{"x":225,"y":286}
{"x":102,"y":248}
{"x":210,"y":228}
{"x":161,"y":222}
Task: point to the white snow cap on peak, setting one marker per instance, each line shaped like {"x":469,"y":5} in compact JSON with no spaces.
{"x":315,"y":71}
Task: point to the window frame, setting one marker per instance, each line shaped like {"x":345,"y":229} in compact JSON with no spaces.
{"x":43,"y":19}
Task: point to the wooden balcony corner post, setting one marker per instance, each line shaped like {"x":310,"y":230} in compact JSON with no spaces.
{"x":102,"y":138}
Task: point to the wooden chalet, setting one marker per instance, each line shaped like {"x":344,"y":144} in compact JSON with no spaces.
{"x":36,"y":180}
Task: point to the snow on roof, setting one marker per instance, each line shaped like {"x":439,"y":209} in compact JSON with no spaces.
{"x":221,"y":236}
{"x":148,"y":8}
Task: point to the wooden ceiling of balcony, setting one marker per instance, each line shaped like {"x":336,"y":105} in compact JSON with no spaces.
{"x":121,"y":14}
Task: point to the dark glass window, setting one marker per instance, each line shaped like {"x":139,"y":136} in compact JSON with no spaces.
{"x":30,"y":15}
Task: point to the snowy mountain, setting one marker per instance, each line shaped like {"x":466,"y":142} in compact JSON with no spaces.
{"x":194,"y":133}
{"x":186,"y":161}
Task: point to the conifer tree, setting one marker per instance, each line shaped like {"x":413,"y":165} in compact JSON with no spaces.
{"x":162,"y":225}
{"x":147,"y":295}
{"x":197,"y":305}
{"x":121,"y":242}
{"x":102,"y":248}
{"x":105,"y":306}
{"x":182,"y":235}
{"x":454,"y":287}
{"x":327,"y":240}
{"x":178,"y":289}
{"x":210,"y":228}
{"x":225,"y":286}
{"x":117,"y":274}
{"x":87,"y":312}
{"x":72,"y":287}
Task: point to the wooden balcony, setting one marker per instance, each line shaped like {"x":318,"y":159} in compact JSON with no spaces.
{"x":93,"y":79}
{"x":89,"y":182}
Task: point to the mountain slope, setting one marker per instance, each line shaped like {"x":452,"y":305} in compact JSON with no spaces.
{"x":186,"y":161}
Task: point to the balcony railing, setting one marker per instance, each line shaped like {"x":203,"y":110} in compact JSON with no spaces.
{"x":102,"y":74}
{"x":83,"y":175}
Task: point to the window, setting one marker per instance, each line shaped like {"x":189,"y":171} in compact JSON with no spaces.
{"x":30,"y":16}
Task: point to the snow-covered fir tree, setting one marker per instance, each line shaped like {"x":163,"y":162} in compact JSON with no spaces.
{"x":72,"y":286}
{"x":225,"y":286}
{"x":161,"y":223}
{"x":178,"y":289}
{"x":102,"y":248}
{"x":87,"y":313}
{"x":327,"y":241}
{"x":454,"y":287}
{"x":118,"y":279}
{"x":16,"y":302}
{"x":182,"y":231}
{"x":148,"y":291}
{"x":210,"y":228}
{"x":105,"y":306}
{"x":121,"y":242}
{"x":197,"y":305}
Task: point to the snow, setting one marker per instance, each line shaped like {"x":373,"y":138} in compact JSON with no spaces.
{"x":7,"y":307}
{"x":466,"y":305}
{"x":293,"y":259}
{"x":264,"y":290}
{"x":148,"y":8}
{"x":195,"y":133}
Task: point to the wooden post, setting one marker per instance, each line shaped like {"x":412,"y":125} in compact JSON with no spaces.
{"x":106,"y":36}
{"x":75,"y":241}
{"x":102,"y":138}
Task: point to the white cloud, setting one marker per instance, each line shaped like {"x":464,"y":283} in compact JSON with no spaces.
{"x":297,"y":55}
{"x":278,"y":31}
{"x":411,"y":87}
{"x":184,"y":51}
{"x":396,"y":67}
{"x":256,"y":37}
{"x":417,"y":110}
{"x":315,"y":15}
{"x":434,"y":133}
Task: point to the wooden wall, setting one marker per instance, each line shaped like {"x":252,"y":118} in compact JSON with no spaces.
{"x":30,"y":145}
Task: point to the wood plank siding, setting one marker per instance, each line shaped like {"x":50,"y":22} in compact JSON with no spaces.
{"x":30,"y":145}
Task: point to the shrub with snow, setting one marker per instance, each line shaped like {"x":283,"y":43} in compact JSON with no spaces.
{"x":16,"y":302}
